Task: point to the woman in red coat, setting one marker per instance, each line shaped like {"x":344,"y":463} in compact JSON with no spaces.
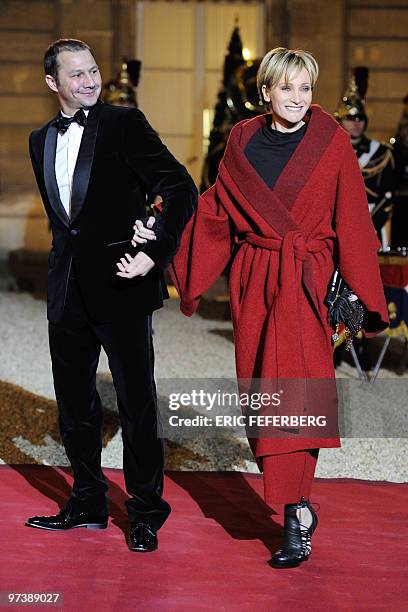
{"x":286,"y":208}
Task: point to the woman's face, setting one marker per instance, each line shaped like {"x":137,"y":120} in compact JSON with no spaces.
{"x":290,"y":101}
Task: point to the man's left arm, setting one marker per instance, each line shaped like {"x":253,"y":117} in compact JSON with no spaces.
{"x":161,"y":174}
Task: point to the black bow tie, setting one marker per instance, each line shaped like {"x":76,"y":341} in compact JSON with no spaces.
{"x":62,"y":123}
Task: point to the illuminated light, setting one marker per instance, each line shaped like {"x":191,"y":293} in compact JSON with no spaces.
{"x":208,"y":118}
{"x":206,"y":122}
{"x":246,"y":54}
{"x":172,"y":292}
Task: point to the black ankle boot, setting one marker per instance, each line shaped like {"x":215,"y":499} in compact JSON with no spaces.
{"x":296,"y":537}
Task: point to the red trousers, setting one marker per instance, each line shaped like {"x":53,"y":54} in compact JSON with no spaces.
{"x":289,"y":476}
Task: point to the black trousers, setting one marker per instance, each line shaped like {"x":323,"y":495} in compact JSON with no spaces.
{"x":75,"y":345}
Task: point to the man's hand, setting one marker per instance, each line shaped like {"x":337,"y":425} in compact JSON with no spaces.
{"x":130,"y":266}
{"x":143,"y":234}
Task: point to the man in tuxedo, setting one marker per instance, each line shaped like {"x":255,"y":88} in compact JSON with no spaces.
{"x":94,"y":164}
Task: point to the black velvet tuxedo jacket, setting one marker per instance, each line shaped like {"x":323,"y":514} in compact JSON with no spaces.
{"x":120,"y":160}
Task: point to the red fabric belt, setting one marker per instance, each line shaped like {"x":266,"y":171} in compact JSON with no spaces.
{"x":301,"y":248}
{"x":286,"y":310}
{"x":292,"y":246}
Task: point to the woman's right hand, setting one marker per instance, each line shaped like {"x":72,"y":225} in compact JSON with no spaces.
{"x":143,"y":233}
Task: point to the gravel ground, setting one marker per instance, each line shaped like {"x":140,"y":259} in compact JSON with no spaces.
{"x":185,"y":347}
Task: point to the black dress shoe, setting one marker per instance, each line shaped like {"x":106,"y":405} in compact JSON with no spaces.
{"x":142,"y":538}
{"x":68,"y":518}
{"x":296,"y":546}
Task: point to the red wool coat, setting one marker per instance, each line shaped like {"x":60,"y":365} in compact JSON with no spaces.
{"x":282,"y":244}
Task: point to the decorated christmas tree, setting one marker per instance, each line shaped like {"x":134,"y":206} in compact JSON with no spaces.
{"x":223,"y":117}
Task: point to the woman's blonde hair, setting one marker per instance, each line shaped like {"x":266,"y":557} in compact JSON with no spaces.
{"x":281,"y":63}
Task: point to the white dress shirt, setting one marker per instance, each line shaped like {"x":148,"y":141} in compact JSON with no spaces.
{"x":65,"y":160}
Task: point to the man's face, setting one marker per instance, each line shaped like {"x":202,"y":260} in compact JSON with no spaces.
{"x":79,"y":81}
{"x":354,"y":128}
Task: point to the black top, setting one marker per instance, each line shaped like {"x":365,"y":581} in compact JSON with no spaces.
{"x":269,"y":151}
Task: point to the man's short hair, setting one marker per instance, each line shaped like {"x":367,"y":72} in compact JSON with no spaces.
{"x":63,"y":44}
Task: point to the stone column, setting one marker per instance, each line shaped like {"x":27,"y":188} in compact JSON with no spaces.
{"x":277,"y":23}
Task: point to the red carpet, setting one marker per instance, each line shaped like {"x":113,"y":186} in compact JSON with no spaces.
{"x":213,"y":551}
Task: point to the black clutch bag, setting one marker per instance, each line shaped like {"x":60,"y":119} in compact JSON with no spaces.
{"x":344,"y":308}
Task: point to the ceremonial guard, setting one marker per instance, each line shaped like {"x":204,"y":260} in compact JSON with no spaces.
{"x":122,"y":90}
{"x":375,"y":158}
{"x":400,"y":213}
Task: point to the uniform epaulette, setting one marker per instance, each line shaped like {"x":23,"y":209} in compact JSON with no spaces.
{"x":388,"y":145}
